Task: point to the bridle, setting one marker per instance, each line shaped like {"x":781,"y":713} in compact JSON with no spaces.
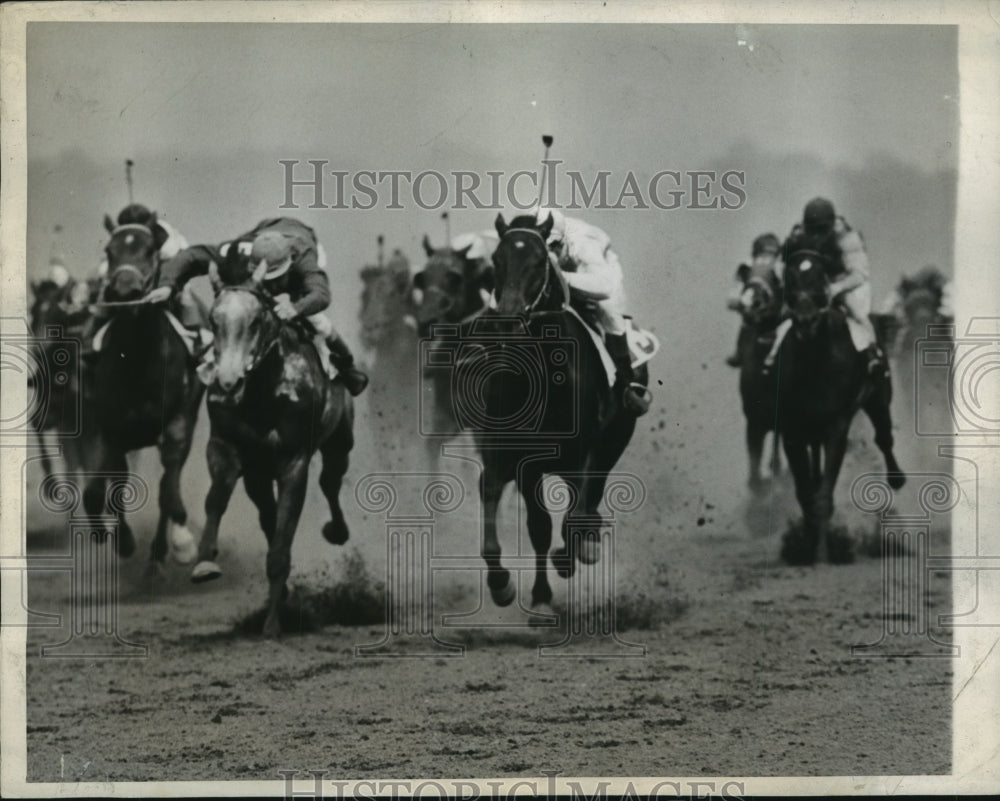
{"x":552,"y":267}
{"x":131,"y":268}
{"x":267,"y":302}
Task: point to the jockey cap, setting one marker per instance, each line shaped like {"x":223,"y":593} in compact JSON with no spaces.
{"x":274,"y":248}
{"x":766,"y":243}
{"x":819,"y":216}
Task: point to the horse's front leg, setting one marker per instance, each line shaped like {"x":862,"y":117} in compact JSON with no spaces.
{"x":502,"y":588}
{"x":834,"y":450}
{"x":292,"y":478}
{"x":755,"y":452}
{"x":540,"y":531}
{"x":224,"y":467}
{"x":800,"y":548}
{"x":175,"y":445}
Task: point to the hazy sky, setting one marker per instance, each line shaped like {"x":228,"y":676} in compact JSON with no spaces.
{"x":867,"y":114}
{"x":412,"y":93}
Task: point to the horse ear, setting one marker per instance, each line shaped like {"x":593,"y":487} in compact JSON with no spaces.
{"x":427,"y":246}
{"x":464,"y":252}
{"x":501,"y":225}
{"x":546,"y":227}
{"x":160,"y":234}
{"x":109,"y":224}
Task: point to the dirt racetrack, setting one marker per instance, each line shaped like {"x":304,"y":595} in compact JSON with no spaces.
{"x":747,"y":668}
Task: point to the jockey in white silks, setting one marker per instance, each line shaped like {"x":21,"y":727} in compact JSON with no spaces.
{"x":849,"y":287}
{"x":594,"y":275}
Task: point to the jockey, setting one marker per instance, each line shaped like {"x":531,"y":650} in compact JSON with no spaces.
{"x":849,"y":287}
{"x":764,"y":265}
{"x":295,"y":278}
{"x":173,"y":242}
{"x":928,"y":278}
{"x":594,"y":275}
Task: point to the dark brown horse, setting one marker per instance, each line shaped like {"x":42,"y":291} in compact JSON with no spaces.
{"x":141,"y":391}
{"x":539,"y":402}
{"x":823,"y":381}
{"x":271,"y":405}
{"x":450,"y":288}
{"x":760,"y":307}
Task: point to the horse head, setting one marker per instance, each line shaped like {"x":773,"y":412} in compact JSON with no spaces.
{"x":46,"y":295}
{"x":760,"y":302}
{"x":243,"y":321}
{"x":447,"y":288}
{"x":806,"y":290}
{"x":527,"y":278}
{"x":133,"y":257}
{"x":386,"y":299}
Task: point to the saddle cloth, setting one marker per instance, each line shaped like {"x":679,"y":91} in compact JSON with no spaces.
{"x":643,"y":344}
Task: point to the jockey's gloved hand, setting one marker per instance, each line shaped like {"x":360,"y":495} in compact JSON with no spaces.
{"x":284,"y":308}
{"x":159,"y":295}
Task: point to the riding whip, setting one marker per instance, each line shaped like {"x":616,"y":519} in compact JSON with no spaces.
{"x":547,"y":141}
{"x":128,"y":178}
{"x":381,"y":241}
{"x":447,"y":228}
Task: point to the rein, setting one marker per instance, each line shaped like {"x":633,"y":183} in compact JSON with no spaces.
{"x":551,"y":267}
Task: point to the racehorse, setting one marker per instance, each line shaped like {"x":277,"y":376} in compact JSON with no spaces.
{"x":760,"y":307}
{"x":271,"y":405}
{"x":141,"y":389}
{"x":63,"y":309}
{"x":822,"y":382}
{"x":545,"y":407}
{"x":389,"y":333}
{"x":450,"y":289}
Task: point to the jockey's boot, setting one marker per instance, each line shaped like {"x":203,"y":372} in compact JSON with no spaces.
{"x":635,"y":397}
{"x":342,"y":358}
{"x":735,"y":359}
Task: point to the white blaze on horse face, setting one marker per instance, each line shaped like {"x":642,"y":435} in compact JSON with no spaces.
{"x":231,"y":320}
{"x":805,"y":265}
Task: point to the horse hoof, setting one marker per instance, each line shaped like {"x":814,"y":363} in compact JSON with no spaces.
{"x":272,"y":628}
{"x":897,"y":480}
{"x":797,"y":550}
{"x":505,"y":595}
{"x":205,"y":571}
{"x":182,"y":544}
{"x":562,"y":563}
{"x":542,"y":616}
{"x":335,"y":532}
